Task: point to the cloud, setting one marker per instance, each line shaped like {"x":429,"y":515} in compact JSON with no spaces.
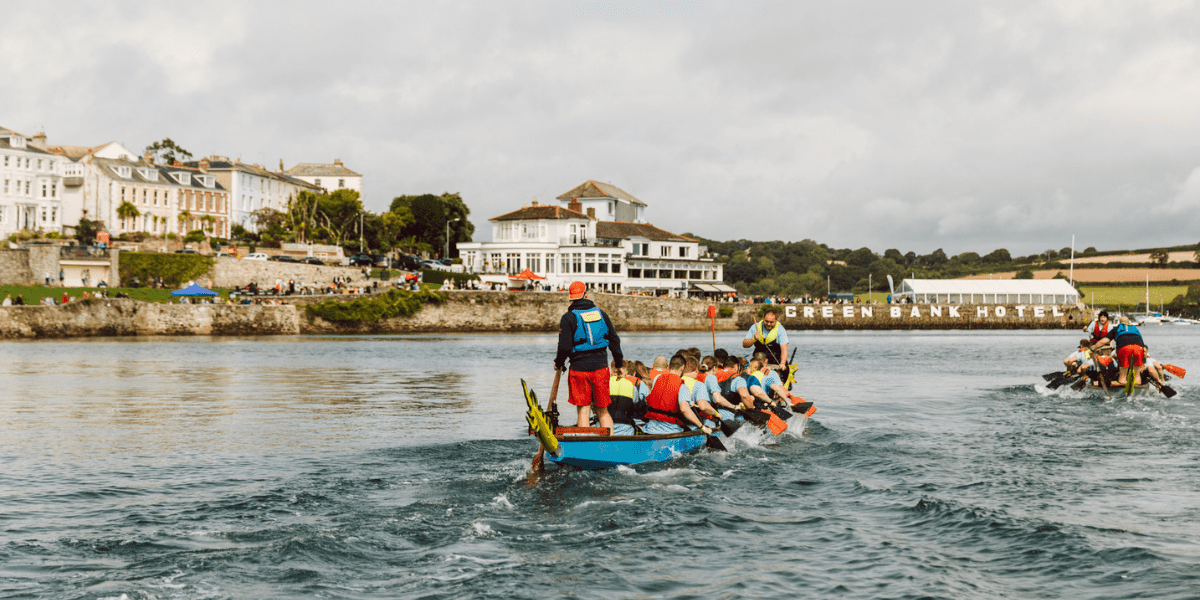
{"x":967,"y":126}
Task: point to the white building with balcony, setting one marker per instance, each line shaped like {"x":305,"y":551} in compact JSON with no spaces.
{"x":565,"y":244}
{"x":31,"y":196}
{"x":254,"y":187}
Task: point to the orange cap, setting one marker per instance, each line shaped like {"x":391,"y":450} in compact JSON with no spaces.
{"x":577,"y":289}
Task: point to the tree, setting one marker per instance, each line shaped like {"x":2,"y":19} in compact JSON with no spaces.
{"x":167,"y":151}
{"x":128,"y":211}
{"x":430,"y":215}
{"x":1090,"y":250}
{"x":1160,"y":256}
{"x":861,"y":257}
{"x":894,"y":255}
{"x":998,"y":256}
{"x":1024,"y":274}
{"x":87,"y":229}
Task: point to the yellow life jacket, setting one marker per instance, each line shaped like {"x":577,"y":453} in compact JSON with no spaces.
{"x":770,"y":336}
{"x":619,"y":386}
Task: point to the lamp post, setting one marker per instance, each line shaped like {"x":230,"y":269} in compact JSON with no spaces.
{"x":447,"y":254}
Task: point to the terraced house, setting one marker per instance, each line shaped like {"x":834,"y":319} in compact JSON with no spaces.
{"x":253,"y":187}
{"x":32,"y":178}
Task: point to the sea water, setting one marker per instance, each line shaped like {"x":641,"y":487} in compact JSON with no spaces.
{"x":938,"y":465}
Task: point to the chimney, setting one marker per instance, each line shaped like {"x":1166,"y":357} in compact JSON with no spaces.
{"x":591,"y":212}
{"x":281,"y":165}
{"x":204,"y":165}
{"x":575,"y":205}
{"x":337,"y":162}
{"x":535,"y":202}
{"x":148,"y":158}
{"x":38,"y":139}
{"x":177,"y":163}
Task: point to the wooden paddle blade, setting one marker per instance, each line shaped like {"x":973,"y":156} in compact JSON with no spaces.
{"x":1057,"y":383}
{"x":1179,"y":372}
{"x":801,"y":407}
{"x":780,"y":412}
{"x":1168,"y":391}
{"x":729,"y":427}
{"x":712,"y":443}
{"x":810,"y":411}
{"x":1051,"y":376}
{"x":756,"y":417}
{"x":1078,"y":385}
{"x":776,"y":425}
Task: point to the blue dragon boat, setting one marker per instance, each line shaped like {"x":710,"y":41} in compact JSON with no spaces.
{"x":594,"y":448}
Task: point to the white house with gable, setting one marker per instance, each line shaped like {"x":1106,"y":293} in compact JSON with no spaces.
{"x":572,"y":243}
{"x":31,"y":196}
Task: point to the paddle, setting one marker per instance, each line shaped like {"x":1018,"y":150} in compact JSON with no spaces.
{"x":712,"y":443}
{"x":1165,"y":389}
{"x":1176,"y":371}
{"x":1052,"y":376}
{"x":538,"y":464}
{"x":804,"y":408}
{"x":1103,"y":380}
{"x":1057,"y":383}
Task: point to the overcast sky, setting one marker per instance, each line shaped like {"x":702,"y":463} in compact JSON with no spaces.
{"x":913,"y":125}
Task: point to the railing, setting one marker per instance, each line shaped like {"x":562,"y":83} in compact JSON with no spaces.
{"x":83,"y":253}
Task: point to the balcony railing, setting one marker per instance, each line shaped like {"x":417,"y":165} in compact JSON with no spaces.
{"x":83,"y":253}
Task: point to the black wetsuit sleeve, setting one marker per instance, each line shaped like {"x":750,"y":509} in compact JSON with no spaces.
{"x":566,"y":331}
{"x":614,"y":340}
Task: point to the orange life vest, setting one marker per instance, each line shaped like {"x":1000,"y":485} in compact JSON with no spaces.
{"x":663,"y":402}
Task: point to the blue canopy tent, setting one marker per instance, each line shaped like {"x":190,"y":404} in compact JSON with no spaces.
{"x":194,"y":290}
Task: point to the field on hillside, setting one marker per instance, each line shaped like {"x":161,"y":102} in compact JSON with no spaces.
{"x":1178,"y":256}
{"x":1128,"y":296}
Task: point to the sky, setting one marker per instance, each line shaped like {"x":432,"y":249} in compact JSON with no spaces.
{"x":916,"y":125}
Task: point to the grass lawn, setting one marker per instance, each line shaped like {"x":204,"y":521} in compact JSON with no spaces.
{"x":34,"y":294}
{"x":1129,"y":296}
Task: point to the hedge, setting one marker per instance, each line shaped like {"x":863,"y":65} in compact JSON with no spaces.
{"x":392,"y":303}
{"x":173,"y":268}
{"x":437,"y":277}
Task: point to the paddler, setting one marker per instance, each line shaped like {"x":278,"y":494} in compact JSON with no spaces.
{"x":700,"y":397}
{"x":769,"y":337}
{"x":621,"y":395}
{"x":1079,"y":360}
{"x":772,"y":383}
{"x":713,"y":382}
{"x":658,"y":367}
{"x":668,"y":408}
{"x":1099,"y":328}
{"x":586,"y":335}
{"x":1131,"y":349}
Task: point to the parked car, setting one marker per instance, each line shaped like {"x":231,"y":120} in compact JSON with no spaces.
{"x":381,"y":261}
{"x":361,"y":260}
{"x":445,"y":261}
{"x":225,"y":255}
{"x":256,"y":256}
{"x":435,"y":265}
{"x":186,"y":251}
{"x":283,"y":258}
{"x":312,"y":260}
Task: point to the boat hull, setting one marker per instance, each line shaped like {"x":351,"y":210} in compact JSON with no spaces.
{"x":603,"y":452}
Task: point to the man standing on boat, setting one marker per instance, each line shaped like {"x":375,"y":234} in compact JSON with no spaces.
{"x":769,"y":337}
{"x":586,"y":335}
{"x":1131,"y":349}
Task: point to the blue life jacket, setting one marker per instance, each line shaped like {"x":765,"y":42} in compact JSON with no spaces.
{"x":590,"y":331}
{"x":1121,"y":336}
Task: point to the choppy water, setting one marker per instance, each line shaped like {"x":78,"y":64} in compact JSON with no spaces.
{"x":394,"y":467}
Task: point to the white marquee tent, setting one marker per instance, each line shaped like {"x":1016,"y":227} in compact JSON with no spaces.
{"x":988,"y":291}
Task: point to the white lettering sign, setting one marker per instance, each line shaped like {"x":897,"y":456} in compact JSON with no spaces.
{"x":1001,"y":311}
{"x":827,"y":312}
{"x":935,"y":311}
{"x":981,"y":311}
{"x":1039,"y":311}
{"x":915,"y":313}
{"x":789,"y":311}
{"x":1056,"y":313}
{"x":809,"y":312}
{"x":895,"y":312}
{"x":848,"y":312}
{"x":954,"y":312}
{"x":1021,"y":311}
{"x":868,"y":311}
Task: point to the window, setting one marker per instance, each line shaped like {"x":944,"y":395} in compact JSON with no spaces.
{"x":122,"y":194}
{"x":6,"y":185}
{"x":549,"y":262}
{"x":683,"y":252}
{"x":156,"y":197}
{"x":145,"y":195}
{"x":317,"y":182}
{"x":566,"y":264}
{"x":610,"y":207}
{"x":616,"y":266}
{"x":26,"y":188}
{"x":576,"y":263}
{"x":589,"y":265}
{"x":45,"y":191}
{"x":574,"y":235}
{"x":6,"y":161}
{"x":664,"y":250}
{"x":341,"y":183}
{"x":635,"y":273}
{"x":54,"y":190}
{"x":43,"y":210}
{"x":680,"y":274}
{"x":693,"y":274}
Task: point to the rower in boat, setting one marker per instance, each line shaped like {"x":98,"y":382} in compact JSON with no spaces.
{"x":668,"y":408}
{"x":1131,"y":351}
{"x":700,"y":401}
{"x":1079,"y":361}
{"x":622,"y":407}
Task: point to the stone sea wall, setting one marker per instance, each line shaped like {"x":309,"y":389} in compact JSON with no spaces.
{"x":500,"y":312}
{"x":233,"y":272}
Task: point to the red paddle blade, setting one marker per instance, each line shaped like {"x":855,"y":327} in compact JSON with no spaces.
{"x":797,"y":400}
{"x":811,"y":410}
{"x":1179,"y":372}
{"x":775,"y":424}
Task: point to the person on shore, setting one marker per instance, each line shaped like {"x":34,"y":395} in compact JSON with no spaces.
{"x":769,"y":337}
{"x":1131,"y":350}
{"x":1079,"y":361}
{"x":668,"y":408}
{"x":1099,"y":328}
{"x":8,"y":301}
{"x":586,"y":335}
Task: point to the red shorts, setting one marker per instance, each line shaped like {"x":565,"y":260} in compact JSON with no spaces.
{"x":1132,"y":355}
{"x":589,"y":387}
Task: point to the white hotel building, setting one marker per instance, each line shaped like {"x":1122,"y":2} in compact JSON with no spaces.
{"x":32,"y":178}
{"x":585,"y":238}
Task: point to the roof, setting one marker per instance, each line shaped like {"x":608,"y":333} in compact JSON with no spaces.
{"x":233,"y":165}
{"x":164,"y":171}
{"x":620,"y":230}
{"x":537,"y":213}
{"x":596,"y":189}
{"x":321,"y":170}
{"x":987,"y":286}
